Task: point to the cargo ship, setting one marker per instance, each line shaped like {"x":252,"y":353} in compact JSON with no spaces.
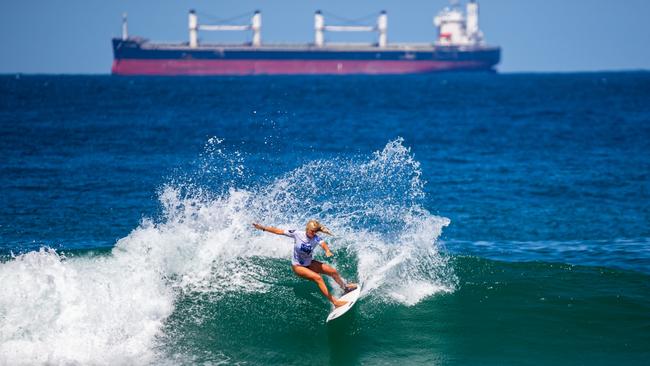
{"x":460,"y":46}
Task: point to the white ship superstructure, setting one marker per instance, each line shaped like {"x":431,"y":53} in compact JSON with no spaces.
{"x":456,"y":28}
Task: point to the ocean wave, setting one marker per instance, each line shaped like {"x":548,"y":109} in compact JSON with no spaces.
{"x":623,"y":253}
{"x":112,"y":309}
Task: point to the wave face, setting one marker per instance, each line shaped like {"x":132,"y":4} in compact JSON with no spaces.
{"x":123,"y":307}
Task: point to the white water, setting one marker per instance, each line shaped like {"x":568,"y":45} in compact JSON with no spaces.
{"x":110,"y":309}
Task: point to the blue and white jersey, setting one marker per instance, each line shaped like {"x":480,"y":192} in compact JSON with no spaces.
{"x":303,"y":247}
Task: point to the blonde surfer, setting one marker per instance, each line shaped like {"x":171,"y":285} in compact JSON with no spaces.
{"x":302,"y":261}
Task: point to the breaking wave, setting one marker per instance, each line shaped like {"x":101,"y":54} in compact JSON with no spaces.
{"x":112,"y":308}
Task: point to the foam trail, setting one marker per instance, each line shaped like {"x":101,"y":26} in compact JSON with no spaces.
{"x":112,"y":309}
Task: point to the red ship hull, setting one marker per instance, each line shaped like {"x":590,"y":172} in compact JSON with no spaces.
{"x":172,"y":67}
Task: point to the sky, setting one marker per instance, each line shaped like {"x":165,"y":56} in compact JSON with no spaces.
{"x":73,"y":36}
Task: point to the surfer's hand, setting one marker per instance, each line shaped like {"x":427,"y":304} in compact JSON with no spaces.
{"x":328,"y":253}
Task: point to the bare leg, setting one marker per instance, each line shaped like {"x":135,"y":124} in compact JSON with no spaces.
{"x":309,"y":274}
{"x":326,"y":269}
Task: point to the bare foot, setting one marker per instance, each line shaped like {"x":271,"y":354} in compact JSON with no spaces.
{"x":350,"y":287}
{"x":339,"y":303}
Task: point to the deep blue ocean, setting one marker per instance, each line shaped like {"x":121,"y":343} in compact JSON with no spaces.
{"x":493,"y":219}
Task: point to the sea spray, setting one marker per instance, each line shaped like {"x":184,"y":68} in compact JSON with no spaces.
{"x":112,"y":309}
{"x":374,"y":206}
{"x":85,"y":310}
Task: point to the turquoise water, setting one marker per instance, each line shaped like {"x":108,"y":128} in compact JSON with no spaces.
{"x":500,"y":313}
{"x":493,"y":219}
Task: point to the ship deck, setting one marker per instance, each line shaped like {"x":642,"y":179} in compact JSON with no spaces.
{"x":296,"y":47}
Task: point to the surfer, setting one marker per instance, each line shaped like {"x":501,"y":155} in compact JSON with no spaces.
{"x":302,"y":262}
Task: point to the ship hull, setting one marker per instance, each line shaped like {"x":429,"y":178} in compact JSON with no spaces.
{"x":138,"y":58}
{"x":291,"y":67}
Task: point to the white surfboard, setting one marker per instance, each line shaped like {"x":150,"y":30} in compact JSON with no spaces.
{"x":351,"y":297}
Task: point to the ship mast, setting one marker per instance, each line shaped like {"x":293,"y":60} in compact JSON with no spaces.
{"x":125,"y":28}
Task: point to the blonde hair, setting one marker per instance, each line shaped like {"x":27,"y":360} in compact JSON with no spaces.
{"x":316,"y":227}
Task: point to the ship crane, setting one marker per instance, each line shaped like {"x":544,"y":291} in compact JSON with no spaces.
{"x":320,"y":28}
{"x":255,"y":26}
{"x":125,"y":28}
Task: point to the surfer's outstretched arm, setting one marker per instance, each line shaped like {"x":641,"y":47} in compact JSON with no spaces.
{"x":328,"y":252}
{"x":270,"y":229}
